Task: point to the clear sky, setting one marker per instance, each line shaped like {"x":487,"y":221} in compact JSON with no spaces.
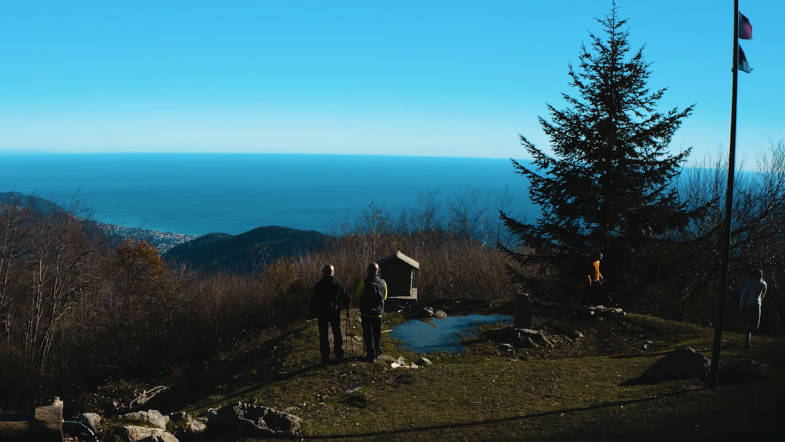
{"x":452,"y":78}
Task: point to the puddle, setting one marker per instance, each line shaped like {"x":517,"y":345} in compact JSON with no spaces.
{"x":442,"y":335}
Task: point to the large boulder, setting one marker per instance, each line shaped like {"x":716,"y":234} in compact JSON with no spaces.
{"x":251,"y":420}
{"x":683,"y":363}
{"x":152,"y":417}
{"x":743,"y":370}
{"x":133,"y":433}
{"x":91,"y":420}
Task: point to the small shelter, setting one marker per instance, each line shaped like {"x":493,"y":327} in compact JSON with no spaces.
{"x":398,"y":271}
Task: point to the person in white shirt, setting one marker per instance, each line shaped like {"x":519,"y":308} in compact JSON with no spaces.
{"x":750,"y":300}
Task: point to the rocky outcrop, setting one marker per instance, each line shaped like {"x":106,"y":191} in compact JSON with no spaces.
{"x":152,"y":417}
{"x":133,"y":433}
{"x":91,"y":420}
{"x":194,"y":426}
{"x":250,"y":420}
{"x":683,"y":363}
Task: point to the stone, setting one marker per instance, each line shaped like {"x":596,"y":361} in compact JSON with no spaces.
{"x":683,"y":363}
{"x":439,"y":314}
{"x":152,"y":417}
{"x":743,"y":370}
{"x":524,"y":313}
{"x":135,"y":433}
{"x":529,"y":338}
{"x":542,"y":339}
{"x":507,"y":348}
{"x":252,"y":421}
{"x":194,"y":426}
{"x":92,"y":420}
{"x":424,"y":362}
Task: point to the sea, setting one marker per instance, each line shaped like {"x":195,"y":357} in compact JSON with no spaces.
{"x":197,"y":194}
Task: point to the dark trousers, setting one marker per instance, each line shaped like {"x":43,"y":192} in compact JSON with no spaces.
{"x":372,"y":336}
{"x":333,"y":320}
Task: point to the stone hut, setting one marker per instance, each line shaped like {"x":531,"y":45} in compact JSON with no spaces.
{"x":398,"y":271}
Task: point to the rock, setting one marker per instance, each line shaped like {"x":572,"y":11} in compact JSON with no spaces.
{"x":134,"y":433}
{"x":744,"y":370}
{"x":542,"y":339}
{"x":152,"y":417}
{"x":530,"y":338}
{"x":527,"y":331}
{"x":524,"y":313}
{"x":683,"y":363}
{"x":249,"y":420}
{"x":386,"y":359}
{"x":601,"y":310}
{"x":507,"y":348}
{"x":400,"y":362}
{"x":418,"y":311}
{"x":424,"y":362}
{"x":194,"y":426}
{"x":577,"y":335}
{"x":439,"y":314}
{"x":92,"y":420}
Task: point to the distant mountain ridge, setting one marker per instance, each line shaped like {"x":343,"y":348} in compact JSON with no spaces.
{"x":247,"y":251}
{"x":241,"y":253}
{"x":115,"y":233}
{"x":29,"y":201}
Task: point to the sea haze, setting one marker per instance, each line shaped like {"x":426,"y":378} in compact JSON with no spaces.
{"x":233,"y":193}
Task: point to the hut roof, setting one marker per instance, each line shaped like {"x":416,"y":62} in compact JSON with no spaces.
{"x":401,"y":257}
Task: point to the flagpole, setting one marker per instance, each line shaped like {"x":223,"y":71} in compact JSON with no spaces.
{"x":715,"y":355}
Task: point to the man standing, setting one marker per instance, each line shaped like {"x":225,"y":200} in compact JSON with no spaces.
{"x":593,"y":293}
{"x":372,"y":292}
{"x":750,"y":300}
{"x":327,"y":300}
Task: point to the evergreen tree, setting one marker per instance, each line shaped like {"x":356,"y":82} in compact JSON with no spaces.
{"x":609,"y":185}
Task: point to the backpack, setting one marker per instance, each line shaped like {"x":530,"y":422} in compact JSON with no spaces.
{"x":373,"y":296}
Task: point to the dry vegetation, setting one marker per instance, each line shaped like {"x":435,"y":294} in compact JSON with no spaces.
{"x":75,"y":311}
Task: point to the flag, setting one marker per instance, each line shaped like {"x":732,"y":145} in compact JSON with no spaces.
{"x":745,"y":27}
{"x":743,"y":65}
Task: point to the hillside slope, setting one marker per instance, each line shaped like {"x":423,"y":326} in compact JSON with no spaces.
{"x":579,"y":390}
{"x":243,"y":253}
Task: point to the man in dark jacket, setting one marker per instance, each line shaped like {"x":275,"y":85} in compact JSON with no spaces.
{"x":372,"y":292}
{"x":327,"y":300}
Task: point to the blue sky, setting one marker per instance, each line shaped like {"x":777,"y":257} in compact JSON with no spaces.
{"x":448,"y":78}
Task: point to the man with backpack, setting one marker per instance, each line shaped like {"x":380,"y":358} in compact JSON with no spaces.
{"x":327,"y":300}
{"x":372,"y":292}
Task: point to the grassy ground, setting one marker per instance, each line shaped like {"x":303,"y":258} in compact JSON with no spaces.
{"x":577,"y":391}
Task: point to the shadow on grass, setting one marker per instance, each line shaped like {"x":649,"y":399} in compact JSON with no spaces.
{"x":503,"y":419}
{"x":225,"y":376}
{"x":641,"y":355}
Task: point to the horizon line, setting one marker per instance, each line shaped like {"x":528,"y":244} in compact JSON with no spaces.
{"x":45,"y":152}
